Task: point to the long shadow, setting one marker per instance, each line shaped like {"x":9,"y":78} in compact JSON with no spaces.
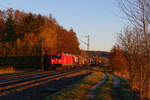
{"x":41,"y":91}
{"x":124,"y":91}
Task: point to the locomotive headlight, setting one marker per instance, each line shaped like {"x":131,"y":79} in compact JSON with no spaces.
{"x":52,"y":61}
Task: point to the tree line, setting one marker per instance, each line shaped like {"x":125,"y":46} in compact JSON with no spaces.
{"x":131,"y":55}
{"x":24,"y":34}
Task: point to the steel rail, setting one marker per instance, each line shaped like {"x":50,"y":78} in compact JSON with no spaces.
{"x":28,"y":84}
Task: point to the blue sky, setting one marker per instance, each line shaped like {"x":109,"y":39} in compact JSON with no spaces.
{"x":98,"y":18}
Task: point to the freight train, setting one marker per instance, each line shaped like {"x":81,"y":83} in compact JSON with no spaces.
{"x":65,"y":61}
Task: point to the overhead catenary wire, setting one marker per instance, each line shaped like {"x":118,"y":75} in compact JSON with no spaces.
{"x":86,"y":43}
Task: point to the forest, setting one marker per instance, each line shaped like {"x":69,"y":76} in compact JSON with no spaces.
{"x":24,"y":36}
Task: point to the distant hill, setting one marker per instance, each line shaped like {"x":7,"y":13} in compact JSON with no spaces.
{"x":98,"y":53}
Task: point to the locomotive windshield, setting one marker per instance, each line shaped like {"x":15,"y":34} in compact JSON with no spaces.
{"x":56,"y":56}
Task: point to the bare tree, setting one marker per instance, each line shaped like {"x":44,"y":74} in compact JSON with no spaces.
{"x":135,"y":41}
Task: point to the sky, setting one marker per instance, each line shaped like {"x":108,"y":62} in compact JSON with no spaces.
{"x":98,"y":18}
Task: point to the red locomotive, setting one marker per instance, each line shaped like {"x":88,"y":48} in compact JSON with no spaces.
{"x":62,"y":59}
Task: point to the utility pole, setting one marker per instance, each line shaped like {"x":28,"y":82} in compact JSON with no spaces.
{"x":86,"y":43}
{"x":42,"y":56}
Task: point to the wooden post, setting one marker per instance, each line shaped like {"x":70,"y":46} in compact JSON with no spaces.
{"x":42,"y":56}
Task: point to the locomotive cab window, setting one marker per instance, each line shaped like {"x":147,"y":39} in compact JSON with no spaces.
{"x":56,"y":56}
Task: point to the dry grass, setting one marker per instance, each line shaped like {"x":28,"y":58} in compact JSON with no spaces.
{"x":124,"y":74}
{"x":104,"y":92}
{"x":79,"y":90}
{"x":7,"y":70}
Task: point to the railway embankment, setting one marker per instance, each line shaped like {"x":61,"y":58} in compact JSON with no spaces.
{"x":36,"y":86}
{"x":7,"y":70}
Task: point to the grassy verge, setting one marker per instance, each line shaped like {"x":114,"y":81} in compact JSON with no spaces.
{"x":104,"y":92}
{"x":17,"y":73}
{"x":79,"y":90}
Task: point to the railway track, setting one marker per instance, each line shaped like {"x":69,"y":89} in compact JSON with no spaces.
{"x":23,"y":74}
{"x":19,"y":83}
